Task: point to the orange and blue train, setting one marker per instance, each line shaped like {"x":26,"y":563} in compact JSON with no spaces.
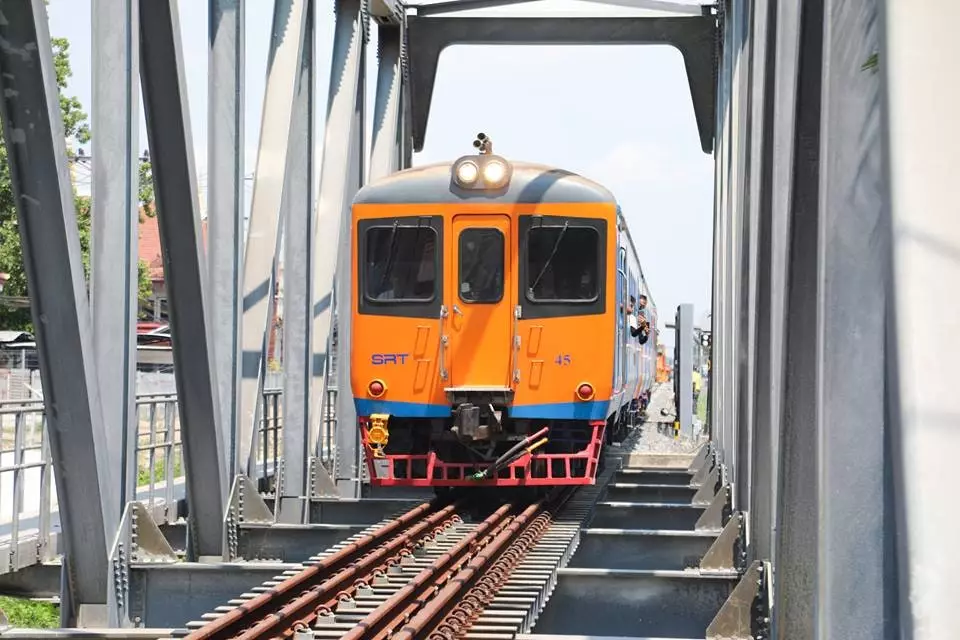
{"x":491,"y":343}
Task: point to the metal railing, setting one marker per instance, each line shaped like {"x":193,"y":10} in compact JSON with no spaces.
{"x":26,"y":486}
{"x":29,"y":517}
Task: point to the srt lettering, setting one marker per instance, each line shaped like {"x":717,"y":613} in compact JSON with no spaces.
{"x":389,"y":358}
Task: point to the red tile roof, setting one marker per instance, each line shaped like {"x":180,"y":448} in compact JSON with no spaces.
{"x":149,"y":245}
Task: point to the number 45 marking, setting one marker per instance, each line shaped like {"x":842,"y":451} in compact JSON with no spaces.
{"x":563,"y":359}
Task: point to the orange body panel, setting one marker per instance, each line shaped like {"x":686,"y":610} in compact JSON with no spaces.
{"x":479,"y":335}
{"x":554,"y":357}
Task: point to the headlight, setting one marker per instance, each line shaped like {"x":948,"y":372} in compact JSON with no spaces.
{"x":494,"y":172}
{"x":481,"y":172}
{"x":467,"y":173}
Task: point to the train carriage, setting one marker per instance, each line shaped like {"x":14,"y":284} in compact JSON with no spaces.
{"x":490,"y":342}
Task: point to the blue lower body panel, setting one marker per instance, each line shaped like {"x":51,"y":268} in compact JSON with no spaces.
{"x":595,"y":410}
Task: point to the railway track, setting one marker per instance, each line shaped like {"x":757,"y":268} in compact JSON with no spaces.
{"x":440,"y":571}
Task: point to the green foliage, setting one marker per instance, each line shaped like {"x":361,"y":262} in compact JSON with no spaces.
{"x":872,"y":63}
{"x":74,"y":118}
{"x":145,"y":188}
{"x":11,"y":256}
{"x":27,"y":614}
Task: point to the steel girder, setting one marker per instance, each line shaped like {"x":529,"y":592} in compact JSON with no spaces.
{"x":171,"y":143}
{"x":115,"y":207}
{"x":36,"y":148}
{"x":694,"y":37}
{"x":225,"y":181}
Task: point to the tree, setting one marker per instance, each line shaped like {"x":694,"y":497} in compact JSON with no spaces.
{"x":145,"y":187}
{"x":11,"y":256}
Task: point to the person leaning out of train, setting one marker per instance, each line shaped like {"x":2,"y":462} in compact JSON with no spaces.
{"x":632,"y":318}
{"x":639,"y":327}
{"x":644,"y":323}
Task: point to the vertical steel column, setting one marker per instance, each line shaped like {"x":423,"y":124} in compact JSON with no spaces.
{"x":171,"y":145}
{"x":263,"y":234}
{"x":775,"y":253}
{"x":297,"y":276}
{"x":225,"y":209}
{"x":798,"y":536}
{"x":406,"y":114}
{"x":387,"y":146}
{"x":37,"y":155}
{"x":722,"y":298}
{"x":683,"y":368}
{"x":746,"y":252}
{"x":349,"y":465}
{"x":921,"y":91}
{"x":731,"y":364}
{"x":762,"y":384}
{"x":115,"y":214}
{"x":854,"y":504}
{"x":341,"y":177}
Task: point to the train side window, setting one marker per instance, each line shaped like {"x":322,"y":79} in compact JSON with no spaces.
{"x":400,"y":264}
{"x":562,"y":264}
{"x":481,"y":265}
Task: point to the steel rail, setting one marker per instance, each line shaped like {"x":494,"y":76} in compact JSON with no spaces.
{"x":232,"y":622}
{"x":471,"y":606}
{"x":510,"y":545}
{"x":276,"y":623}
{"x":417,"y":627}
{"x":380,"y":622}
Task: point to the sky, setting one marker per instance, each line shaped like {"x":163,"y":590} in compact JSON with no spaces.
{"x":620,"y":115}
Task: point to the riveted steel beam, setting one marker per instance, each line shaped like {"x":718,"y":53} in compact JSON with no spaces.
{"x":263,"y":233}
{"x":225,"y":210}
{"x":171,"y":144}
{"x":115,"y":206}
{"x":342,"y":171}
{"x":37,"y":156}
{"x":298,"y":213}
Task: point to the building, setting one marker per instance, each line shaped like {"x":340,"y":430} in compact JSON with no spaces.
{"x":150,"y":251}
{"x":157,"y":307}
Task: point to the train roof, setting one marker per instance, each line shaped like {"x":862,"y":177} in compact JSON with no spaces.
{"x":530,"y":184}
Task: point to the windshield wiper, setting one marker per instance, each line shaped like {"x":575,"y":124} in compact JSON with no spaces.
{"x":391,"y":255}
{"x":553,"y":252}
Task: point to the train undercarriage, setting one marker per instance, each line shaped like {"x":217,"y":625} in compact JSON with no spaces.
{"x":479,"y":445}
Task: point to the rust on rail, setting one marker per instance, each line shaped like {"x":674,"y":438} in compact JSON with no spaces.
{"x":381,"y":622}
{"x":303,"y":608}
{"x":441,"y":602}
{"x":234,"y":621}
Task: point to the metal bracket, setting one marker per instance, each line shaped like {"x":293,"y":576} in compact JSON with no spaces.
{"x":708,"y":488}
{"x":713,"y":518}
{"x":728,"y":551}
{"x":705,"y":450}
{"x":704,"y":469}
{"x":287,"y":509}
{"x":746,"y":613}
{"x":138,"y":540}
{"x":387,"y":11}
{"x":244,"y":504}
{"x":321,"y":484}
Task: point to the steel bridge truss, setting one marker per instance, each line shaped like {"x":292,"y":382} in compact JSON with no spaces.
{"x":826,"y":248}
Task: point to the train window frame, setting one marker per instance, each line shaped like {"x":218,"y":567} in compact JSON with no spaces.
{"x":570,"y":227}
{"x":554,"y":308}
{"x":403,"y":307}
{"x":503,"y":258}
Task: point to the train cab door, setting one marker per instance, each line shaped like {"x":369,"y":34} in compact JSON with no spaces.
{"x":478,"y":299}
